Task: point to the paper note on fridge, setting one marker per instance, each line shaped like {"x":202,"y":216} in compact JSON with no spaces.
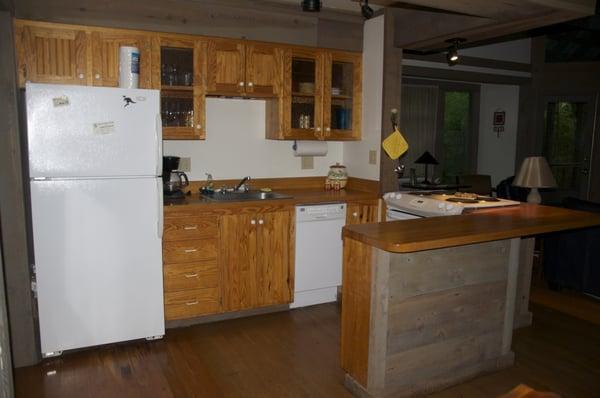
{"x":60,"y":101}
{"x":104,"y":128}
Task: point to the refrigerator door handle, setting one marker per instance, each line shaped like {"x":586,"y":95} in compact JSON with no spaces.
{"x":158,"y":129}
{"x":159,"y":207}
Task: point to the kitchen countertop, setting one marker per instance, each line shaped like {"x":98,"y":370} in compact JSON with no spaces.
{"x":481,"y":226}
{"x":299,"y":196}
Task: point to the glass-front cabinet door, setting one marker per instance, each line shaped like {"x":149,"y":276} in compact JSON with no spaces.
{"x":302,"y":98}
{"x":180,"y":80}
{"x":342,"y":96}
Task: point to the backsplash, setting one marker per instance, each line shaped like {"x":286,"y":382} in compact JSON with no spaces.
{"x":235,"y":146}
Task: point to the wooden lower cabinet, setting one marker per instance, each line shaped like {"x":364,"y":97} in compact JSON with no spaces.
{"x":361,"y":212}
{"x":257,"y":259}
{"x":192,"y":303}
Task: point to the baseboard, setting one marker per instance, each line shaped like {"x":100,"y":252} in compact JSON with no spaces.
{"x":316,"y":296}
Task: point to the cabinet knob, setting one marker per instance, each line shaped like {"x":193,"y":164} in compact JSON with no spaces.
{"x":355,"y":214}
{"x":198,"y":126}
{"x":81,"y":75}
{"x":190,"y":250}
{"x":318,"y":129}
{"x":192,"y":302}
{"x":253,"y":222}
{"x":97,"y":76}
{"x":261,"y":222}
{"x":328,"y":129}
{"x":250,"y":84}
{"x":191,"y":275}
{"x":190,"y":227}
{"x":241,"y":84}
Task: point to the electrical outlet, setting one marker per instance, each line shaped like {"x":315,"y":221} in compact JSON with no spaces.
{"x":307,"y":162}
{"x":185,"y":164}
{"x":372,"y":157}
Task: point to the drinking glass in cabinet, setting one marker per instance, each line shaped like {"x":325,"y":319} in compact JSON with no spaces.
{"x":177,"y":67}
{"x":177,"y":112}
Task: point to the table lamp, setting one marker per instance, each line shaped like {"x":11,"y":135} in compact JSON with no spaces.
{"x":426,"y":159}
{"x":534,"y":173}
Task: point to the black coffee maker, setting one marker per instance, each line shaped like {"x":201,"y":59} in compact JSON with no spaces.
{"x":173,"y":181}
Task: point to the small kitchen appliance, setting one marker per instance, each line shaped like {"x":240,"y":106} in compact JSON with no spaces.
{"x":405,"y":205}
{"x":173,"y":181}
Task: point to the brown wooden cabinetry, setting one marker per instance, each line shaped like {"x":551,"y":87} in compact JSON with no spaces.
{"x":320,"y":97}
{"x":238,"y":68}
{"x":257,"y":256}
{"x":191,"y":266}
{"x":361,"y":212}
{"x":105,"y":56}
{"x":51,"y":55}
{"x":178,"y":70}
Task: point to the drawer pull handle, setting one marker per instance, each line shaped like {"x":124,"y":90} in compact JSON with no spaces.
{"x":192,"y":302}
{"x":191,"y":275}
{"x":190,"y":227}
{"x":190,"y":250}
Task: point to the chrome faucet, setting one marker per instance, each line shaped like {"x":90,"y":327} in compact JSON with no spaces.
{"x":243,"y":184}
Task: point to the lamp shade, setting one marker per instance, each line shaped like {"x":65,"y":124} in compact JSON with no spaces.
{"x":426,"y":158}
{"x":535,"y":173}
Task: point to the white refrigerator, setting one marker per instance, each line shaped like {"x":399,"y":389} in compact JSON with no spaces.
{"x":95,"y":160}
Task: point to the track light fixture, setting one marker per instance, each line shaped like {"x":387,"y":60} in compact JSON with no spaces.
{"x":311,"y":5}
{"x":365,"y":10}
{"x":452,"y":55}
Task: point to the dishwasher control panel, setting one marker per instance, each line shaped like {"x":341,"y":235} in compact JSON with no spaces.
{"x":320,"y":212}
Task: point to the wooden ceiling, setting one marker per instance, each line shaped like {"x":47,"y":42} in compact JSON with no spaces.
{"x":425,"y":25}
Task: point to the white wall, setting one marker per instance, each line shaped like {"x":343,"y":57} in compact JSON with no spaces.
{"x":356,"y":154}
{"x":496,"y":155}
{"x":235,"y":146}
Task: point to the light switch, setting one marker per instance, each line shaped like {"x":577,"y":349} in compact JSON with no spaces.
{"x":185,"y":164}
{"x":307,"y":162}
{"x":372,"y":157}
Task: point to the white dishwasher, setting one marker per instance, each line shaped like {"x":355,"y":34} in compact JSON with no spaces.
{"x":318,"y":253}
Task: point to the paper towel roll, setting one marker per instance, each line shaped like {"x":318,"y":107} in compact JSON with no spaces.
{"x":310,"y":148}
{"x":129,"y":67}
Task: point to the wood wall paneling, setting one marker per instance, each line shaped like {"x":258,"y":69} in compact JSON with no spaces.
{"x":13,"y":193}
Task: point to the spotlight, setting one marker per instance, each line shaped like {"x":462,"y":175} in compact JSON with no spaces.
{"x":452,"y":55}
{"x":311,"y":5}
{"x":365,"y":10}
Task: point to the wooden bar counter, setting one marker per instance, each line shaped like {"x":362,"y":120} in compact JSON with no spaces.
{"x":430,"y":302}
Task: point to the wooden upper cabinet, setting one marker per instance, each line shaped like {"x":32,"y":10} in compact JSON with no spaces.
{"x":178,"y":70}
{"x":263,"y":69}
{"x":225,"y":69}
{"x":342,"y":92}
{"x":105,"y":56}
{"x":51,"y":55}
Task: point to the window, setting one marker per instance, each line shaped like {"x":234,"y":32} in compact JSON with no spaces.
{"x":455,"y":135}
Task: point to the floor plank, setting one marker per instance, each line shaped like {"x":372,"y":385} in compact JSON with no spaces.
{"x":296,"y":354}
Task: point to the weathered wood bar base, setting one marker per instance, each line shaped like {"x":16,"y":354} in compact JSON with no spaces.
{"x":413,"y":323}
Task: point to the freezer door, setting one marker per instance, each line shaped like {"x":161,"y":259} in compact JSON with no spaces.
{"x":98,"y":260}
{"x":78,"y":131}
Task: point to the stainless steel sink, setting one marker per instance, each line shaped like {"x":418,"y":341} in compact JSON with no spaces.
{"x":233,"y":196}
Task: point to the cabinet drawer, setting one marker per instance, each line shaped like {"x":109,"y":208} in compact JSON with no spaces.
{"x":187,"y":276}
{"x":190,"y":228}
{"x":189,"y":250}
{"x":191,"y":303}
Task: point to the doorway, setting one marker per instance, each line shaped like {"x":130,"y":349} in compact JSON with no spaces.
{"x":567,"y":144}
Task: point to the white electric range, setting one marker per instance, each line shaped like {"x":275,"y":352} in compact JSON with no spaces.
{"x":416,"y":204}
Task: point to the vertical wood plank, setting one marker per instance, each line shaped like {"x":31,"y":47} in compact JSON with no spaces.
{"x":511,"y":293}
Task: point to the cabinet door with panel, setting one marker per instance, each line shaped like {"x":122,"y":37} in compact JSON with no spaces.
{"x":263,"y":69}
{"x":342,"y":91}
{"x":178,"y":70}
{"x":257,"y":259}
{"x":225,"y":70}
{"x":301,"y":99}
{"x":51,"y":54}
{"x":105,"y":56}
{"x":361,"y":212}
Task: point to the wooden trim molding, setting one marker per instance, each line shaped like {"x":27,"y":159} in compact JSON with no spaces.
{"x":472,"y":61}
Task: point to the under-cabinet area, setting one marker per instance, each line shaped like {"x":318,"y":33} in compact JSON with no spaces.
{"x":310,"y":93}
{"x":234,"y":258}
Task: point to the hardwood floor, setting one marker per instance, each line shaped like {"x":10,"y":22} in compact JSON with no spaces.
{"x":296,"y":354}
{"x":571,"y":303}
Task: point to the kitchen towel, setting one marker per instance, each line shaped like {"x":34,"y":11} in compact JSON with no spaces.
{"x":310,"y":148}
{"x":395,"y":145}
